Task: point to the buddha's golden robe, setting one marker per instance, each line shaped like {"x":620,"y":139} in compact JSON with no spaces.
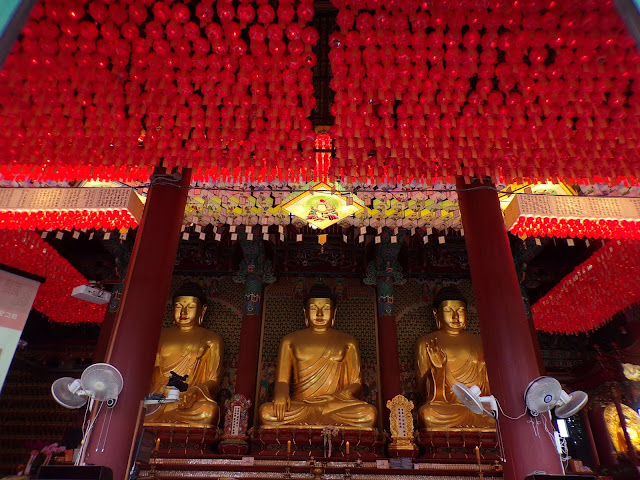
{"x":326,"y":378}
{"x":198,"y":353}
{"x":464,"y":364}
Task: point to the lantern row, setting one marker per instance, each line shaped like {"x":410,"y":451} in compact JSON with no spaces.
{"x":116,"y":87}
{"x":526,"y":90}
{"x":596,"y":290}
{"x":392,"y":207}
{"x":573,"y":216}
{"x":68,"y":220}
{"x":576,"y":228}
{"x":69,"y":208}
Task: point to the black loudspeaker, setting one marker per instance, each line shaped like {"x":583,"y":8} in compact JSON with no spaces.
{"x":544,"y":476}
{"x":67,"y":472}
{"x":144,"y":450}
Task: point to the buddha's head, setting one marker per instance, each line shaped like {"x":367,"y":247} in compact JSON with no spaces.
{"x":320,"y":307}
{"x":450,"y":310}
{"x":188,"y":306}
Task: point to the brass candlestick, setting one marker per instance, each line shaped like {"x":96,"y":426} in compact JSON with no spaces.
{"x":287,"y":470}
{"x":480,"y":472}
{"x":316,"y":469}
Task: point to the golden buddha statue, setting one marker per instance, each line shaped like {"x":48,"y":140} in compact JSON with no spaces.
{"x":188,"y":349}
{"x":614,"y":427}
{"x":325,"y":364}
{"x":447,"y":356}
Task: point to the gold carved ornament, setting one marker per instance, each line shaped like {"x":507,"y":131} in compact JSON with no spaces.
{"x":401,"y":423}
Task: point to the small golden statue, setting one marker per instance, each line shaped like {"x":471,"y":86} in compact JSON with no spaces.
{"x":631,"y":371}
{"x":447,"y":356}
{"x":188,"y":349}
{"x":325,"y":364}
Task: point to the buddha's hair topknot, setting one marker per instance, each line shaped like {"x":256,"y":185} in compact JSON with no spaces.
{"x":320,"y":290}
{"x":191,"y":289}
{"x":448,"y":293}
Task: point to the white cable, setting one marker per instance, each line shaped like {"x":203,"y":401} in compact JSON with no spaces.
{"x":511,"y":418}
{"x":85,"y":437}
{"x":104,"y":442}
{"x":84,"y":421}
{"x":544,"y":424}
{"x":500,"y":444}
{"x":534,"y":425}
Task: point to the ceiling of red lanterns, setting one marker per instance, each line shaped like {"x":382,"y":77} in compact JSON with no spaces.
{"x":525,"y":89}
{"x":522,"y":88}
{"x":597,"y":289}
{"x":26,"y":251}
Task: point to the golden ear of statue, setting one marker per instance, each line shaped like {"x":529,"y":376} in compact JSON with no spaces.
{"x":435,"y":314}
{"x":201,"y":317}
{"x":333,"y":320}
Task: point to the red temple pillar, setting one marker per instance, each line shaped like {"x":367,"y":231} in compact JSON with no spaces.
{"x":508,"y":337}
{"x":237,"y":443}
{"x":136,"y":330}
{"x":389,"y":363}
{"x":592,"y":444}
{"x":390,"y":385}
{"x":601,"y":437}
{"x":255,"y":272}
{"x":249,"y":348}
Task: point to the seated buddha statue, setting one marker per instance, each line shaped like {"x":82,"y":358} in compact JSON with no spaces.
{"x":325,"y":366}
{"x":188,"y":349}
{"x":444,"y":357}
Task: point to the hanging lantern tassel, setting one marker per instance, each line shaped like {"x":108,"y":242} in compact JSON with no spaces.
{"x":322,"y":239}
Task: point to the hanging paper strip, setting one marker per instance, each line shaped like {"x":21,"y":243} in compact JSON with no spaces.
{"x":26,"y":251}
{"x":520,"y":90}
{"x":595,"y":291}
{"x":108,"y":90}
